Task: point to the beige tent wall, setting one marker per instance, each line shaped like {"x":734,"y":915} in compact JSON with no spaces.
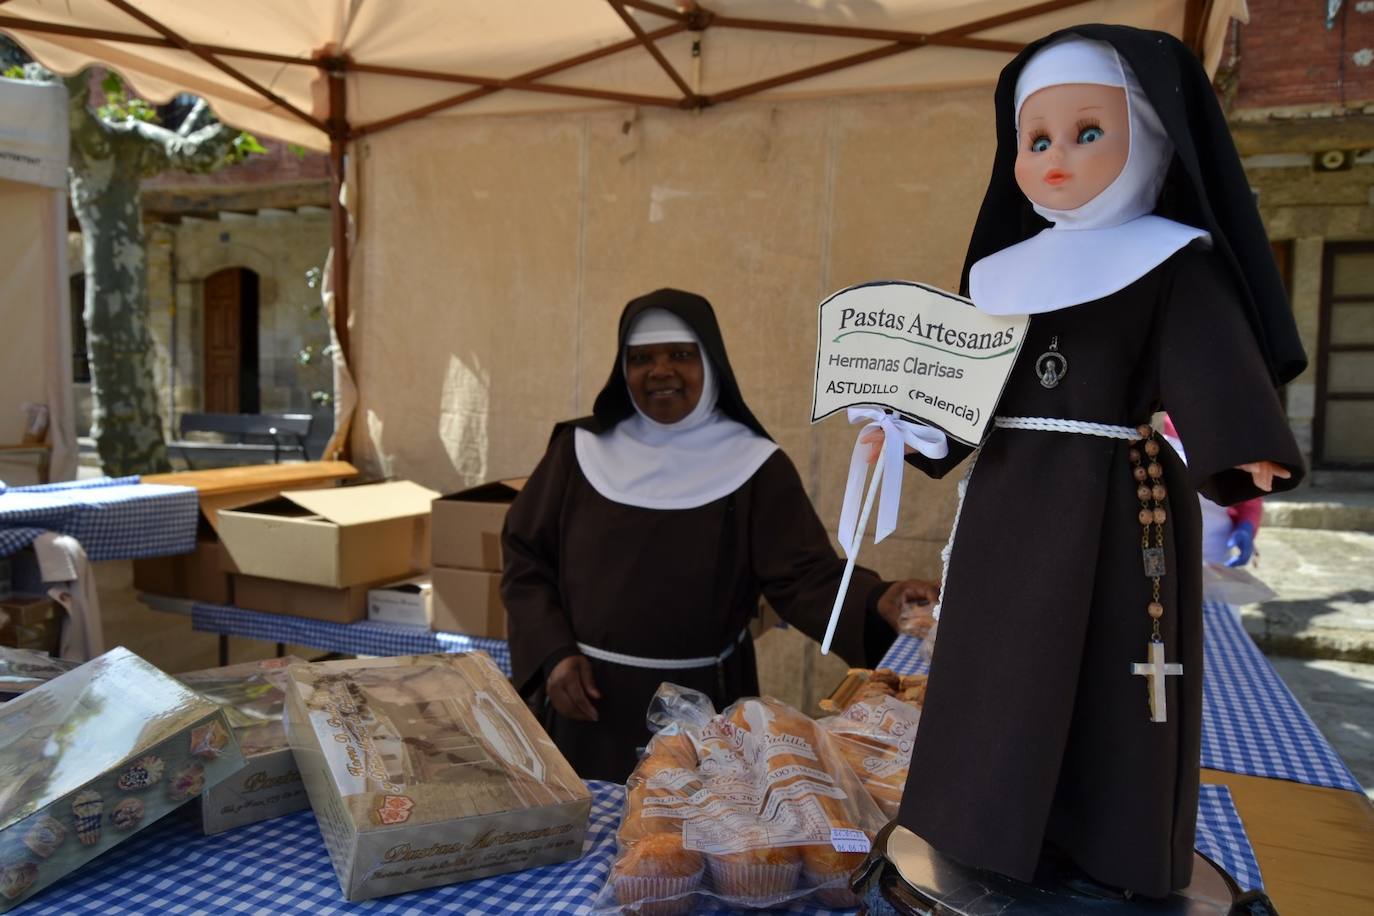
{"x":35,"y":352}
{"x":495,"y":255}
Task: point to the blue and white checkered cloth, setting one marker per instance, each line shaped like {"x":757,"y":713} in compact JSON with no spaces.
{"x":113,"y":518}
{"x":366,"y":637}
{"x":1251,"y":723}
{"x":280,"y":866}
{"x":1221,"y":836}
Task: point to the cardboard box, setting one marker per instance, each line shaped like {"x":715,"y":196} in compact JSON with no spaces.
{"x":468,"y":601}
{"x":252,"y":696}
{"x":409,"y":601}
{"x":202,"y":574}
{"x":31,"y":622}
{"x":466,"y":528}
{"x":318,"y":602}
{"x":196,"y":576}
{"x":92,"y":757}
{"x":336,"y":537}
{"x":429,"y":770}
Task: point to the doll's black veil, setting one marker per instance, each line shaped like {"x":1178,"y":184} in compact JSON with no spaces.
{"x":1206,"y":186}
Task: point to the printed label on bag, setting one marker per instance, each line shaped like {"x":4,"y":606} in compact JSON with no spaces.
{"x":845,"y":839}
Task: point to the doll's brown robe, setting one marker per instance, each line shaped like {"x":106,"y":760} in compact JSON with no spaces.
{"x":657,"y":583}
{"x":1034,"y":728}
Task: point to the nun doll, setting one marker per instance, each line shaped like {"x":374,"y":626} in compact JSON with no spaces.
{"x":1064,"y":706}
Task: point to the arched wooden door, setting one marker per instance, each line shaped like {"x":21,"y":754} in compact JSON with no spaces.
{"x":231,"y":341}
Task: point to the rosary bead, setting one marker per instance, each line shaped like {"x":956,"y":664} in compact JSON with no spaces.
{"x":1159,"y":516}
{"x":1152,"y":448}
{"x":1156,"y":610}
{"x":1155,"y":471}
{"x":1142,"y":493}
{"x":1144,"y":430}
{"x":1139,"y":473}
{"x":1146,"y":516}
{"x":1134,"y":455}
{"x":1158,"y":492}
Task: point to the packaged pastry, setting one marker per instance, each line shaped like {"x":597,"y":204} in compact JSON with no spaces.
{"x":429,"y":770}
{"x":253,"y":698}
{"x":752,"y":808}
{"x":21,"y":670}
{"x":87,"y":759}
{"x":875,"y":734}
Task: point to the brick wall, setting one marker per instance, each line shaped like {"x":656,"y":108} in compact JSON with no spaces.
{"x":1288,"y":58}
{"x":279,"y":164}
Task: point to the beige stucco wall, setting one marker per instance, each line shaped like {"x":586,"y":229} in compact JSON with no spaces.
{"x":496,"y":254}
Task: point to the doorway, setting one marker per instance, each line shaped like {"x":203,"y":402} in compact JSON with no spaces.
{"x":1343,"y":429}
{"x":231,"y":341}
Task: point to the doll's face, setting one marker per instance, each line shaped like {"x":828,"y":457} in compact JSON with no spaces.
{"x":1073,"y":140}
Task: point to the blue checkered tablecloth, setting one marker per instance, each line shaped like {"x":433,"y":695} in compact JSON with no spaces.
{"x":280,"y":866}
{"x":1221,"y":836}
{"x":366,"y":637}
{"x":113,"y":518}
{"x":1251,"y":723}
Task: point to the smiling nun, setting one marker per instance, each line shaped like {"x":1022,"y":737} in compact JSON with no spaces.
{"x":638,"y":550}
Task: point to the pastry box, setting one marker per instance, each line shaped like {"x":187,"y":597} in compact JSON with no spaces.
{"x":429,"y":770}
{"x":93,"y":756}
{"x":269,"y":785}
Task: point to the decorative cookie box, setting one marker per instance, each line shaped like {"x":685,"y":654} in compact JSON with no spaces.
{"x":92,"y":757}
{"x":269,"y":785}
{"x":429,"y":770}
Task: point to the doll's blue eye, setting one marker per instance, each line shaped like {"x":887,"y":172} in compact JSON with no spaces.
{"x":1090,"y":135}
{"x":1040,"y":144}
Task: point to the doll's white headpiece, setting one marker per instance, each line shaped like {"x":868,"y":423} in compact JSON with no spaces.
{"x":1135,"y":191}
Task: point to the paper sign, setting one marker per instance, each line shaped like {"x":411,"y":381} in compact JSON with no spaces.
{"x":922,"y":352}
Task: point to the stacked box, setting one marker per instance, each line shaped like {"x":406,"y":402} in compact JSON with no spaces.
{"x":466,"y":550}
{"x":92,"y":757}
{"x":21,"y":670}
{"x":31,"y":622}
{"x":429,"y":770}
{"x":269,"y":785}
{"x":315,"y":553}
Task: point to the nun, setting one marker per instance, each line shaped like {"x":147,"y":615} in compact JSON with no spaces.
{"x":1063,"y":712}
{"x":638,"y":549}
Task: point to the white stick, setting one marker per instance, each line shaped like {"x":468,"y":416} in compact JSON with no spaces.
{"x":853,"y":554}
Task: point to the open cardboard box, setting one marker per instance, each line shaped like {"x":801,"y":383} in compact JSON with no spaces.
{"x":466,"y":530}
{"x":202,"y":574}
{"x":336,"y":538}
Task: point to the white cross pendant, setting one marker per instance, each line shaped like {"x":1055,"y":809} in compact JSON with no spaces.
{"x":1154,"y":671}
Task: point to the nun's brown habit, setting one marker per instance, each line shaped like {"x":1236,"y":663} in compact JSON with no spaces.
{"x":1034,"y":730}
{"x":653,"y":583}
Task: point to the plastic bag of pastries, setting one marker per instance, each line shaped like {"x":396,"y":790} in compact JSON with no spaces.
{"x":875,"y":734}
{"x":754,"y":808}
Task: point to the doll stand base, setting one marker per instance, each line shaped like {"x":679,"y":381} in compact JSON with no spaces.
{"x":922,"y":881}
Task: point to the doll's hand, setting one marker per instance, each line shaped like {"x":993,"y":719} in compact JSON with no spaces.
{"x":1243,"y":539}
{"x":1264,"y":472}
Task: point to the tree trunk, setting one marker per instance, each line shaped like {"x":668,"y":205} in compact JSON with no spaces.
{"x":124,"y":412}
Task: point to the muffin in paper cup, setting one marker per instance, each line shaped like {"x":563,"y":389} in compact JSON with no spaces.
{"x":657,"y":877}
{"x":756,"y":877}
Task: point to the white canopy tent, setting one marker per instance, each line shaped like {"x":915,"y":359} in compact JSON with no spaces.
{"x":35,"y":355}
{"x":395,"y":82}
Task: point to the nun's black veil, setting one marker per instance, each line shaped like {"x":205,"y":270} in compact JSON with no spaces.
{"x":1206,"y":186}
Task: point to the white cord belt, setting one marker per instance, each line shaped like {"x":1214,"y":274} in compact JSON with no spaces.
{"x":1055,"y":425}
{"x":661,"y":664}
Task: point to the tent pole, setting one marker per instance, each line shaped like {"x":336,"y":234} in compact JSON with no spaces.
{"x":338,"y":149}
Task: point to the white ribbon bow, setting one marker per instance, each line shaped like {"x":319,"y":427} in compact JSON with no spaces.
{"x":887,"y":473}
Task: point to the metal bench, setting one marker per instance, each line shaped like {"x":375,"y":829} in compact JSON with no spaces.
{"x":245,"y":438}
